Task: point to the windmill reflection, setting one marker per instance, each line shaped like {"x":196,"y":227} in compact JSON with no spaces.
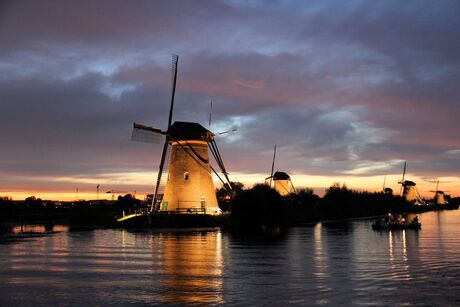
{"x":320,"y":259}
{"x":193,"y":267}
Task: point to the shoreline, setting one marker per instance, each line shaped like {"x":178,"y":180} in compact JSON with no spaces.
{"x":180,"y":221}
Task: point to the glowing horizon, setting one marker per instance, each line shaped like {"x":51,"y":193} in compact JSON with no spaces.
{"x":318,"y":183}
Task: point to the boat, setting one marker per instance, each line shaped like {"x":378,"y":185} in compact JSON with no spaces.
{"x":392,"y":223}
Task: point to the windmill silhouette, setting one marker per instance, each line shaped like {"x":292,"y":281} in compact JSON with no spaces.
{"x":282,"y":181}
{"x":439,"y":196}
{"x":386,"y":190}
{"x":409,"y":190}
{"x":184,"y":183}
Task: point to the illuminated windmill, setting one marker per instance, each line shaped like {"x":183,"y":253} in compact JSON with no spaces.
{"x":184,"y":183}
{"x":409,"y":189}
{"x":439,"y":198}
{"x":282,"y":181}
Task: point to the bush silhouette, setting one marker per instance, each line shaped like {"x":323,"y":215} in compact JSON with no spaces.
{"x":260,"y":205}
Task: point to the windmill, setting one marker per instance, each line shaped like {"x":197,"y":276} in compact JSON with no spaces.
{"x":113,"y":192}
{"x":386,"y":190}
{"x":409,"y":189}
{"x":282,"y":181}
{"x":439,"y":198}
{"x":184,"y":183}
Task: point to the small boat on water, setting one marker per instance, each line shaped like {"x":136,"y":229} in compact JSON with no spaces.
{"x":392,"y":223}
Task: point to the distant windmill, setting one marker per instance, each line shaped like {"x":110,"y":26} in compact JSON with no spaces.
{"x":113,"y":192}
{"x":188,"y":186}
{"x":386,"y":190}
{"x":282,"y":181}
{"x":439,"y":198}
{"x":409,"y":189}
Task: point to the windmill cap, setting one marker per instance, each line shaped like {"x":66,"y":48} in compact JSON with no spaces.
{"x":408,"y":183}
{"x":188,"y":131}
{"x":281,"y":176}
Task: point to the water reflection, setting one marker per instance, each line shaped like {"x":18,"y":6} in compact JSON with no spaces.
{"x":39,"y":228}
{"x":321,"y":264}
{"x":398,"y":250}
{"x":193,"y":267}
{"x":320,"y":259}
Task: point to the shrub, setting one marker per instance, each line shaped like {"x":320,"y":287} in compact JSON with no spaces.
{"x":260,"y":205}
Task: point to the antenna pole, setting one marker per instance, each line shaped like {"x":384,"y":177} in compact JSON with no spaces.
{"x":273,"y":166}
{"x":437,"y":184}
{"x":175,"y":59}
{"x":384,"y":181}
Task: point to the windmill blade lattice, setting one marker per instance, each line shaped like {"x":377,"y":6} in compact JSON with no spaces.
{"x":147,"y":134}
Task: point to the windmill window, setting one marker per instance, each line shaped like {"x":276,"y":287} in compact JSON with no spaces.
{"x":186,"y":176}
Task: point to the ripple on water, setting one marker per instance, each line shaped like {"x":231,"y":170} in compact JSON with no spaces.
{"x":318,"y":265}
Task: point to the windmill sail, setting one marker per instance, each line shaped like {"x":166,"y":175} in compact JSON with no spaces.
{"x":292,"y":186}
{"x":404,"y":171}
{"x":147,"y":134}
{"x":175,"y":59}
{"x":273,"y":165}
{"x":160,"y":173}
{"x":402,"y":180}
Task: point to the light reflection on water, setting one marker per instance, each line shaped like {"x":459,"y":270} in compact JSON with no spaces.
{"x":328,"y":263}
{"x":32,"y":228}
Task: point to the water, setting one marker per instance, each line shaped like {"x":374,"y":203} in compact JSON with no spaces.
{"x":325,"y":264}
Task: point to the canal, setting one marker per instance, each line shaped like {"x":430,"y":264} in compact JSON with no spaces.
{"x":321,"y":264}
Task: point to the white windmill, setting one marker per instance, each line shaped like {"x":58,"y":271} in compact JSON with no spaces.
{"x":184,"y":183}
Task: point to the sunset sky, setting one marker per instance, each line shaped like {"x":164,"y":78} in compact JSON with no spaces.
{"x":347,"y":90}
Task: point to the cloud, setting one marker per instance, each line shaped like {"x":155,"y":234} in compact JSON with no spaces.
{"x":341,"y":88}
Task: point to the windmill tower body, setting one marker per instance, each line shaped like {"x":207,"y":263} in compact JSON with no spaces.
{"x":409,"y":191}
{"x":439,"y":198}
{"x":189,"y":186}
{"x":282,"y":183}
